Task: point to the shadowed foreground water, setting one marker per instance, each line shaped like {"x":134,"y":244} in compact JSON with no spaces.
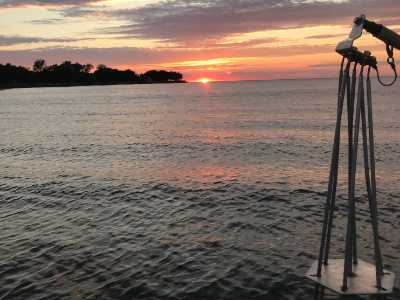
{"x":179,"y":191}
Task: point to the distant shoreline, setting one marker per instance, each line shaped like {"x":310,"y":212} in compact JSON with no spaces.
{"x":76,"y":74}
{"x":47,"y":85}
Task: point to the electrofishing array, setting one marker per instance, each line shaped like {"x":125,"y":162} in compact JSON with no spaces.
{"x":352,"y":275}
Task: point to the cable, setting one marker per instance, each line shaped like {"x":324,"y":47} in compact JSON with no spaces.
{"x":392,"y":63}
{"x":383,"y":83}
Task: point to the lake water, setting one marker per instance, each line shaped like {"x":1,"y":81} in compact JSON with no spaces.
{"x":183,"y":191}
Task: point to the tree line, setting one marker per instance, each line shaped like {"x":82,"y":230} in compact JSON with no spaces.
{"x":69,"y":73}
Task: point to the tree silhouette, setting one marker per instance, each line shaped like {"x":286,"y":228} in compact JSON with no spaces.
{"x":101,"y":67}
{"x":105,"y":74}
{"x":68,"y":73}
{"x":11,"y":75}
{"x":87,"y":68}
{"x":39,"y":65}
{"x":161,"y":76}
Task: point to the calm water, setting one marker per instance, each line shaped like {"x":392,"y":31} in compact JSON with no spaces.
{"x":178,"y":191}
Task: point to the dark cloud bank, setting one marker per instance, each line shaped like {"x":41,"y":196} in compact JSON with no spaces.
{"x":190,"y":21}
{"x":17,"y":3}
{"x":17,"y":40}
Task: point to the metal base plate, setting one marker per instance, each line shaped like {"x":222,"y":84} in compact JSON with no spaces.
{"x":362,"y":283}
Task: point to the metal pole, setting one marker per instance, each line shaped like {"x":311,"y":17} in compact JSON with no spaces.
{"x":350,"y":98}
{"x":334,"y":162}
{"x":368,"y":181}
{"x":348,"y":268}
{"x":350,"y":109}
{"x":373,"y":201}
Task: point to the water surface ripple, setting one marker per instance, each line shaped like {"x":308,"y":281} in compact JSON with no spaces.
{"x":179,"y":191}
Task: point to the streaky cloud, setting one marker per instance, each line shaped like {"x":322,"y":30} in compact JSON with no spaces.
{"x":17,"y":40}
{"x":19,"y":3}
{"x":50,"y":21}
{"x":192,"y":21}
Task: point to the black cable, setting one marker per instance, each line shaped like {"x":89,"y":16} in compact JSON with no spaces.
{"x":391,"y":62}
{"x":383,"y":83}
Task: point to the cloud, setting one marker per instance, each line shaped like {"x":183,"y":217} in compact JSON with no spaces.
{"x":18,"y":3}
{"x":323,"y":36}
{"x":143,"y":57}
{"x":188,"y":21}
{"x":248,"y":43}
{"x":82,"y":11}
{"x":49,"y":21}
{"x":207,"y":22}
{"x":228,"y":63}
{"x":17,"y":40}
{"x":209,"y":35}
{"x":223,"y":63}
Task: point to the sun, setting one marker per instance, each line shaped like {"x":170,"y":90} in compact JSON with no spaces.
{"x":204,"y":80}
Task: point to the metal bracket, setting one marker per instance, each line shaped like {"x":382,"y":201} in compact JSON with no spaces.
{"x":355,"y":33}
{"x":363,"y":58}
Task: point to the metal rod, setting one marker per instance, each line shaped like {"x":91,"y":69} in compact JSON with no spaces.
{"x":335,"y":153}
{"x":347,"y":270}
{"x":373,"y":202}
{"x":341,"y":76}
{"x":350,"y":94}
{"x":350,"y":141}
{"x":368,"y":183}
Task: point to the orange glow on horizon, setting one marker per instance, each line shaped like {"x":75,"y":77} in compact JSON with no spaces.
{"x":204,"y":80}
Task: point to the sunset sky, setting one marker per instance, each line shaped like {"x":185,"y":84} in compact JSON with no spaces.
{"x":221,"y":39}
